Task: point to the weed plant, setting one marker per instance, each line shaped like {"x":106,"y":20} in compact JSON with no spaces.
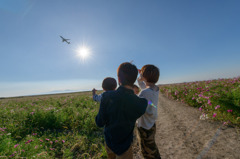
{"x":60,"y":127}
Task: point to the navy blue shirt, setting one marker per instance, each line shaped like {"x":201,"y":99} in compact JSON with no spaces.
{"x":118,"y":113}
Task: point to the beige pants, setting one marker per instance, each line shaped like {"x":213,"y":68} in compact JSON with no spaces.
{"x":126,"y":155}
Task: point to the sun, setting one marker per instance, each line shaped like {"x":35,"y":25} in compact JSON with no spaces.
{"x":83,"y":52}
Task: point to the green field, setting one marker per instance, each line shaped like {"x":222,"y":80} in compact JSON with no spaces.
{"x":51,"y":126}
{"x":63,"y":126}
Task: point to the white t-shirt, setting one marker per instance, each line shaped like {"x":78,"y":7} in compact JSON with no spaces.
{"x":148,"y":119}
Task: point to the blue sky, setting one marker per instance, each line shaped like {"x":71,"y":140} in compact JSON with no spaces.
{"x":188,"y":40}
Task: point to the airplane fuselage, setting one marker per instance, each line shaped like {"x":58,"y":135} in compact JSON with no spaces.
{"x":66,"y":40}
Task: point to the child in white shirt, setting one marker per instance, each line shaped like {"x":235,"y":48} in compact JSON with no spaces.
{"x":149,"y":75}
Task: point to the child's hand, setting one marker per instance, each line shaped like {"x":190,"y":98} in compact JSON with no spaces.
{"x":140,"y":75}
{"x":139,"y":71}
{"x":94,"y":91}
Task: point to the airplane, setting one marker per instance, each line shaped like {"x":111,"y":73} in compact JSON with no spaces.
{"x":66,"y":40}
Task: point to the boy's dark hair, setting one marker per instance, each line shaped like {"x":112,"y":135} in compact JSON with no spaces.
{"x":150,"y":73}
{"x":127,"y":73}
{"x":109,"y":84}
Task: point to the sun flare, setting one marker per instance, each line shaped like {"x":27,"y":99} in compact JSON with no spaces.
{"x":83,"y":52}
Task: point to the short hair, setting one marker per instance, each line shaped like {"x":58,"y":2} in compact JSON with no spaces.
{"x":109,"y":84}
{"x":127,"y":73}
{"x":150,"y":73}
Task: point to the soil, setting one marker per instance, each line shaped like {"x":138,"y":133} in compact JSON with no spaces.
{"x":182,"y":135}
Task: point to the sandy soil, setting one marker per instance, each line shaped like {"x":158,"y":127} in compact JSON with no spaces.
{"x":182,"y":135}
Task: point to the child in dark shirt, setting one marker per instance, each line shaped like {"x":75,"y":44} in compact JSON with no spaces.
{"x":118,"y":113}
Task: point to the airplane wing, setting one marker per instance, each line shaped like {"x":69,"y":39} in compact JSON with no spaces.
{"x":63,"y":39}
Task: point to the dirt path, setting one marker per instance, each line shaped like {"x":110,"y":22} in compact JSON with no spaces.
{"x":182,"y":135}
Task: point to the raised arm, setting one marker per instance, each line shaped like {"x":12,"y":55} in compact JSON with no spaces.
{"x":141,"y":84}
{"x":97,"y":98}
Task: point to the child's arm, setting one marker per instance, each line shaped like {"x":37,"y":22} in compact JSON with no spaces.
{"x":94,"y":92}
{"x":141,"y":84}
{"x":96,"y":97}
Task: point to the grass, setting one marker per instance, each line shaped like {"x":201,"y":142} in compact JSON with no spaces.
{"x":63,"y":126}
{"x":50,"y":127}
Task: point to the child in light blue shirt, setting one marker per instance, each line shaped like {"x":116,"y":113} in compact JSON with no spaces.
{"x":108,"y":84}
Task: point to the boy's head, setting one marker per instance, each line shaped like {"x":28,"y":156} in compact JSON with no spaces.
{"x":150,"y":73}
{"x":136,"y":89}
{"x":109,"y":84}
{"x":127,"y":74}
